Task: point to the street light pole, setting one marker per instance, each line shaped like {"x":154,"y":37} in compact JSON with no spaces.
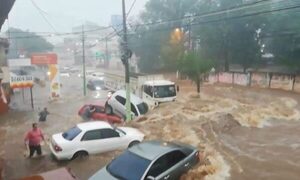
{"x":83,"y":61}
{"x":124,"y":58}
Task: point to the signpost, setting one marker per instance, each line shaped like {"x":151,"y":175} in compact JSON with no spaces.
{"x":22,"y":82}
{"x":49,"y":59}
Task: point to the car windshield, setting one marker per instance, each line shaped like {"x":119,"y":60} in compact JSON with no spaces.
{"x":128,"y":166}
{"x":143,"y":108}
{"x":98,"y":82}
{"x":120,"y":131}
{"x":164,"y":91}
{"x":71,"y":133}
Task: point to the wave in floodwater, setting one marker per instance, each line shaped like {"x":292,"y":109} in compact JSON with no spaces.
{"x":175,"y":122}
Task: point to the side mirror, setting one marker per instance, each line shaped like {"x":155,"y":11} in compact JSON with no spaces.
{"x":150,"y":178}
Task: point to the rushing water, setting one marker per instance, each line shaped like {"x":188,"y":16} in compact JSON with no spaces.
{"x":244,"y":134}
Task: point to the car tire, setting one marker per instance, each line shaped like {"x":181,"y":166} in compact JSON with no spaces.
{"x":133,"y":143}
{"x":108,"y":109}
{"x":80,"y":155}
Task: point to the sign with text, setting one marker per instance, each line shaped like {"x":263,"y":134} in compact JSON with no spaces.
{"x":21,"y":81}
{"x":19,"y":62}
{"x":44,"y":59}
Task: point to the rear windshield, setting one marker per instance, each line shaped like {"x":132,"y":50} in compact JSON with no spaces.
{"x":128,"y":166}
{"x":143,"y":108}
{"x":71,"y":133}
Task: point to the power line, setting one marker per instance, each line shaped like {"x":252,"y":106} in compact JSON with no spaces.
{"x":235,"y":8}
{"x":229,"y":18}
{"x":211,"y":13}
{"x":132,"y":5}
{"x":164,"y":21}
{"x":41,"y":13}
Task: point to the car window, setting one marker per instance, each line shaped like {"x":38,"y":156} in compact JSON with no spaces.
{"x":122,"y":167}
{"x":165,"y":162}
{"x":98,"y":82}
{"x":133,"y":109}
{"x":91,"y":135}
{"x":71,"y":133}
{"x":143,"y":108}
{"x":148,"y":90}
{"x":121,"y":100}
{"x":109,"y":133}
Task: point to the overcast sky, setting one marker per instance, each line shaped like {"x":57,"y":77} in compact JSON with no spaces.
{"x":63,"y":14}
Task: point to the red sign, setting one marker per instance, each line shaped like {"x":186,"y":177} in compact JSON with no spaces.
{"x":42,"y":59}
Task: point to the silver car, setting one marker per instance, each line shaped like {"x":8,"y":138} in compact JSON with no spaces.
{"x":152,"y":160}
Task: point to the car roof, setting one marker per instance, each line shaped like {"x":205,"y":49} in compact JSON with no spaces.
{"x":94,"y":125}
{"x":134,"y":99}
{"x":159,"y":83}
{"x":153,"y":149}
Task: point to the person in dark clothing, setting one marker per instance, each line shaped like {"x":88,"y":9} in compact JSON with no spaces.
{"x":43,"y":115}
{"x":88,"y":112}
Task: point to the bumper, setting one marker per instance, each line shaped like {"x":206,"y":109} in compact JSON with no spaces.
{"x":60,"y":155}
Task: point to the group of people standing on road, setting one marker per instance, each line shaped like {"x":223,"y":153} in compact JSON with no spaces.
{"x":35,"y":136}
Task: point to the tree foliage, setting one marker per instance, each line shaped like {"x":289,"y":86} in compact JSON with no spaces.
{"x":195,"y":67}
{"x":239,"y":37}
{"x":25,"y":43}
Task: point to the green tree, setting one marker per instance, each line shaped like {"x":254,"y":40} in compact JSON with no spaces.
{"x":230,"y":40}
{"x":282,"y":39}
{"x":25,"y":43}
{"x":195,"y":67}
{"x":152,"y":44}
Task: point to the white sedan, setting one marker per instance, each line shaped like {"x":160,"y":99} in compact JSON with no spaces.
{"x":92,"y":138}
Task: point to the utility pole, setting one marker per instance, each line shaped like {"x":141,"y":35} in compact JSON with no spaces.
{"x":83,"y":61}
{"x":190,"y":29}
{"x":106,"y":52}
{"x":126,"y":54}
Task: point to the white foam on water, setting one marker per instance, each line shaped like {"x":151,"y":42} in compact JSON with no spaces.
{"x":222,"y":169}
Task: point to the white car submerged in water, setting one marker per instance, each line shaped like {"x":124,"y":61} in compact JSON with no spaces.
{"x":92,"y":138}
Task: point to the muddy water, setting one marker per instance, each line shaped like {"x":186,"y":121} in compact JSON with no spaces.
{"x":63,"y":116}
{"x":261,"y":153}
{"x":243,"y":134}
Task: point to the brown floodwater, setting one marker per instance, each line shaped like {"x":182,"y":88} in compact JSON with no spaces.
{"x":244,"y":134}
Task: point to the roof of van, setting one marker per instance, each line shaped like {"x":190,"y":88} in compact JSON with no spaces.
{"x":159,"y":82}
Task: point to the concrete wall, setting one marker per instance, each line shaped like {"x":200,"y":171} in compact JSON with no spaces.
{"x":262,"y":80}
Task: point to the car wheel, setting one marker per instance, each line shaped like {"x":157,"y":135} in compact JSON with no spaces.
{"x":108,"y":109}
{"x":133,"y":143}
{"x":80,"y":155}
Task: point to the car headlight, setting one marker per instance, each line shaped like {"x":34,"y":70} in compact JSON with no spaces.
{"x":98,"y":88}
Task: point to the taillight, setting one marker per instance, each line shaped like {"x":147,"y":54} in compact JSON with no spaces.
{"x":57,"y":148}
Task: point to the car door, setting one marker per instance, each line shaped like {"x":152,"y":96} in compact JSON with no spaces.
{"x":168,"y":166}
{"x":112,"y":139}
{"x":93,"y":143}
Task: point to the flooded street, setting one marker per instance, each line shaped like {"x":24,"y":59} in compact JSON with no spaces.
{"x":244,"y":134}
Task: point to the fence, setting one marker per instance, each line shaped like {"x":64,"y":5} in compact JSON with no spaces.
{"x":258,"y":79}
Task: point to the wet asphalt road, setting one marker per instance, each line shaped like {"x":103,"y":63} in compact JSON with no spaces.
{"x":63,"y":116}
